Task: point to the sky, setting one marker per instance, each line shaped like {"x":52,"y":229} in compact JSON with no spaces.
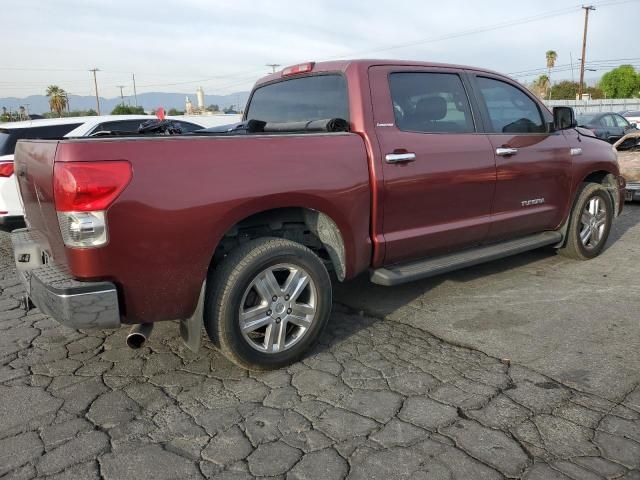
{"x":223,"y":46}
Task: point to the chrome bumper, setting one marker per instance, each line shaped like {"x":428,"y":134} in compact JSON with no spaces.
{"x":76,"y":304}
{"x":633,"y":190}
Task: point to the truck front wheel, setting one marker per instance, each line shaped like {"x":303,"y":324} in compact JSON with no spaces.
{"x":590,"y":223}
{"x":267,"y":302}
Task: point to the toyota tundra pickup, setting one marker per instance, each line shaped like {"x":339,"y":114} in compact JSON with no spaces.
{"x":403,"y":170}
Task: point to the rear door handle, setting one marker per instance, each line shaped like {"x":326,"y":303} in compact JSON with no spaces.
{"x":400,"y":157}
{"x":505,"y":152}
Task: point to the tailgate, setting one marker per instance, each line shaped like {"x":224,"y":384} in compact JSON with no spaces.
{"x":34,"y":162}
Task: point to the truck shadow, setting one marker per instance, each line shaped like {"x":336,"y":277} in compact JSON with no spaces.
{"x":359,"y":295}
{"x":630,"y":218}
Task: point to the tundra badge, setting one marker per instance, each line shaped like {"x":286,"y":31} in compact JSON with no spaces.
{"x":535,"y":201}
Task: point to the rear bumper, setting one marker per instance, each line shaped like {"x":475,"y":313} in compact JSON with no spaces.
{"x":75,"y":304}
{"x":632,"y":191}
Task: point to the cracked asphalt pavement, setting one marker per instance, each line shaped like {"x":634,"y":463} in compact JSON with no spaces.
{"x":443,"y":379}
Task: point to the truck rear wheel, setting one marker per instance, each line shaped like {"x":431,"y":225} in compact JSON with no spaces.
{"x":267,"y":302}
{"x":590,"y":223}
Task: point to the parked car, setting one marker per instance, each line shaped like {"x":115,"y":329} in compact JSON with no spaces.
{"x":404,"y":170}
{"x":629,"y":161}
{"x":607,"y":126}
{"x":124,"y":123}
{"x":11,"y":214}
{"x":633,"y":117}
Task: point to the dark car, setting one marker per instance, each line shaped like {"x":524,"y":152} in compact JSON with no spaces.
{"x":607,"y":126}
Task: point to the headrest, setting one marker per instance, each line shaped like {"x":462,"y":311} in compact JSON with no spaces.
{"x":432,"y":108}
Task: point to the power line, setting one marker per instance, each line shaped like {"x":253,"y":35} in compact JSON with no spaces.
{"x":474,"y":31}
{"x":591,"y":62}
{"x":487,"y":28}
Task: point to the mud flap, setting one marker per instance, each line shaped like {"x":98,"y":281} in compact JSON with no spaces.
{"x":191,"y":328}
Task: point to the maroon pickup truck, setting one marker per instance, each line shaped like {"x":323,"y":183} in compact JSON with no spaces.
{"x":403,"y":170}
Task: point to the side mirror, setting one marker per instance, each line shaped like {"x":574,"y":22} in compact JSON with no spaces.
{"x":564,"y":118}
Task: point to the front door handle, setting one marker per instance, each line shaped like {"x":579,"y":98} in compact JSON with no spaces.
{"x":400,"y":157}
{"x":506,"y":152}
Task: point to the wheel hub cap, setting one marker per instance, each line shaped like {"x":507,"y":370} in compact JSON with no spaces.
{"x":278,"y":308}
{"x":593,"y":222}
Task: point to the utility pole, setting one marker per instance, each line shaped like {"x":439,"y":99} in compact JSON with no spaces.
{"x":135,"y":94}
{"x":273,"y":66}
{"x":95,"y":83}
{"x":586,"y":9}
{"x":121,"y":95}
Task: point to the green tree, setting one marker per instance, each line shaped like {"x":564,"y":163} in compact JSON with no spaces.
{"x":174,"y":111}
{"x":567,"y":90}
{"x":213,"y":108}
{"x":621,"y":82}
{"x":127,"y":110}
{"x":57,"y":99}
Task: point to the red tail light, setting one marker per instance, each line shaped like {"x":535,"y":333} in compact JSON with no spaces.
{"x":88,"y":186}
{"x":6,"y":169}
{"x":297,"y":69}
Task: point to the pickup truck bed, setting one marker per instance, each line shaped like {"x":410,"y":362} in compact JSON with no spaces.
{"x":171,"y":217}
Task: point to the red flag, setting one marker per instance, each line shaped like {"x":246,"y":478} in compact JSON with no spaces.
{"x":160,"y":113}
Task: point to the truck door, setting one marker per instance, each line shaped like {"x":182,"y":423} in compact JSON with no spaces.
{"x":533,"y":165}
{"x":439,"y":172}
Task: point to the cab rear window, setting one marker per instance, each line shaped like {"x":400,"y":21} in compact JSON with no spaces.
{"x":300,"y":100}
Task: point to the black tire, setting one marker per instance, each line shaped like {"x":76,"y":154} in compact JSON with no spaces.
{"x":574,"y":247}
{"x":227,"y":290}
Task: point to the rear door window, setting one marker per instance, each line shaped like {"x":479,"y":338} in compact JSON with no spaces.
{"x":621,"y":122}
{"x":430,"y":102}
{"x":302,"y":99}
{"x":128,"y":126}
{"x":510,"y":110}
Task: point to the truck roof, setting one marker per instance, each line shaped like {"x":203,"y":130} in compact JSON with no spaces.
{"x":344,"y":65}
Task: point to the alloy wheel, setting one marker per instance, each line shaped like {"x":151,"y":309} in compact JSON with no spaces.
{"x":278,"y":308}
{"x":593,"y":222}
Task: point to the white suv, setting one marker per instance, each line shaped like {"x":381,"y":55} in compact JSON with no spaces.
{"x":11,"y":212}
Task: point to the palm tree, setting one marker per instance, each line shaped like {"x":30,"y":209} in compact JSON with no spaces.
{"x":551,"y":56}
{"x":541,"y":86}
{"x":57,"y":99}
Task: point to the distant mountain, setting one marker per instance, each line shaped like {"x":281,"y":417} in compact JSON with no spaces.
{"x":151,"y":100}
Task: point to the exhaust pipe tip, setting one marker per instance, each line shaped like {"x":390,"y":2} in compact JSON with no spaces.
{"x":138,"y":335}
{"x":136,"y":340}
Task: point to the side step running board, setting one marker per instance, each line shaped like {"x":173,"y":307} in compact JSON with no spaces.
{"x":397,"y":274}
